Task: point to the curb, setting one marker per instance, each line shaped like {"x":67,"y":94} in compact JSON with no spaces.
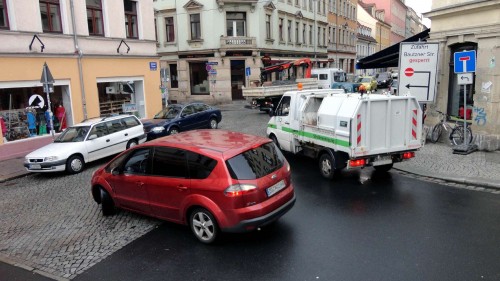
{"x":468,"y":181}
{"x":8,"y":261}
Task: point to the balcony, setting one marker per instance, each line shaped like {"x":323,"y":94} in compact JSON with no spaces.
{"x":238,"y":43}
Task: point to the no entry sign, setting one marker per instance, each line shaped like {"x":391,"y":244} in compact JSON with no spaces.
{"x":417,"y":70}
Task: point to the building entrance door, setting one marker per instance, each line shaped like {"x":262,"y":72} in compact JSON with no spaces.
{"x":237,"y":79}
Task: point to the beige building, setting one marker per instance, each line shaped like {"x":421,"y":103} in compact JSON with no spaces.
{"x":469,"y":25}
{"x":101,"y":54}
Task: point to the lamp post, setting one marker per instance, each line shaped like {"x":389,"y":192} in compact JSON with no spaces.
{"x":315,"y":39}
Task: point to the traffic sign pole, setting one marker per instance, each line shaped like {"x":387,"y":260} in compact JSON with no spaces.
{"x":46,"y":87}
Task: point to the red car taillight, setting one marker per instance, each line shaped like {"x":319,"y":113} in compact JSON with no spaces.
{"x":236,"y":190}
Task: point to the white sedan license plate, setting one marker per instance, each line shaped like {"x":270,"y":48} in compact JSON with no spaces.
{"x":35,"y":166}
{"x":275,"y":188}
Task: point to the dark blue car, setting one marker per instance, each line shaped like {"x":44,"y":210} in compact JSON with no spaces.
{"x":177,"y":118}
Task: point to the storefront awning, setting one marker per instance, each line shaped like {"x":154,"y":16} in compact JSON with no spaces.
{"x":389,"y":57}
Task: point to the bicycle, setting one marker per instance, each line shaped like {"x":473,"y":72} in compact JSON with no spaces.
{"x":457,"y":132}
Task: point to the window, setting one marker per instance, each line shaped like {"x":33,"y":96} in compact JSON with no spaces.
{"x":195,"y":26}
{"x":235,"y":24}
{"x":4,"y":18}
{"x":130,"y":18}
{"x":304,"y":27}
{"x":100,"y":130}
{"x":281,"y":30}
{"x":284,"y":107}
{"x":296,"y":32}
{"x":199,"y":166}
{"x":199,"y":78}
{"x":169,"y":162}
{"x":310,"y":34}
{"x":188,"y":110}
{"x":51,"y":15}
{"x":138,"y":162}
{"x":169,"y":22}
{"x":94,"y":17}
{"x":289,"y":31}
{"x":115,"y":126}
{"x":174,"y":83}
{"x":268,"y":26}
{"x":131,"y":122}
{"x":256,"y":163}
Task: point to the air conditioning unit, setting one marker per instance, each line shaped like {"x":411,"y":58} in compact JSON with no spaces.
{"x":110,"y":90}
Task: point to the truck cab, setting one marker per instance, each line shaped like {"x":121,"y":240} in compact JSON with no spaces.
{"x":327,"y":76}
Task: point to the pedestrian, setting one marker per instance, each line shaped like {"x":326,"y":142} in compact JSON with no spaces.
{"x":362,"y":89}
{"x":61,"y":116}
{"x":4,"y":129}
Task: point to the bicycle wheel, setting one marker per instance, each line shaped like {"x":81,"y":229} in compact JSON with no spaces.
{"x":457,"y":135}
{"x":436,"y":132}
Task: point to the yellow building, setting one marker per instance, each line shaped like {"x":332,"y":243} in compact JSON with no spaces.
{"x":102,"y":59}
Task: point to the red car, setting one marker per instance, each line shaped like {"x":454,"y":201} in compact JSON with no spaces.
{"x":211,"y":180}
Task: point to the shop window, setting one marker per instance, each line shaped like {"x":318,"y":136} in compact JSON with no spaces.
{"x":50,"y":13}
{"x":174,"y":82}
{"x":455,"y":91}
{"x":130,"y":18}
{"x":94,"y":17}
{"x":4,"y":17}
{"x":170,"y":29}
{"x":199,"y":78}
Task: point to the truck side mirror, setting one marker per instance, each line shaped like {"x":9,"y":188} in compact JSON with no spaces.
{"x":271,"y":112}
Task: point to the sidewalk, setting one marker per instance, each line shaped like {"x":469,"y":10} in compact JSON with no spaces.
{"x":479,"y":168}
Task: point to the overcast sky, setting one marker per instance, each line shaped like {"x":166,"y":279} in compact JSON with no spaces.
{"x":420,"y":6}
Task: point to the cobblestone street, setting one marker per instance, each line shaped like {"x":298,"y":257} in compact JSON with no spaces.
{"x":51,"y":223}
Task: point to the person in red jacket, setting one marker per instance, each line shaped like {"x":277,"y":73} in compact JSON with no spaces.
{"x":4,"y":128}
{"x":61,"y":116}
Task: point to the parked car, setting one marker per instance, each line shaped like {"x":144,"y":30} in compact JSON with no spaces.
{"x":211,"y":180}
{"x":90,"y":140}
{"x":394,"y":87}
{"x":177,"y":118}
{"x":384,"y":79}
{"x":369,"y":82}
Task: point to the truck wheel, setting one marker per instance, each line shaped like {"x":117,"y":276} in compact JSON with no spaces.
{"x":275,"y":140}
{"x":383,"y":168}
{"x":327,"y":166}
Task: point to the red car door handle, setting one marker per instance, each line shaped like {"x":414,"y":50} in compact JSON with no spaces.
{"x":181,"y":187}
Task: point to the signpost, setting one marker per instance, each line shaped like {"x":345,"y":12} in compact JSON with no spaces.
{"x":418,"y":69}
{"x":48,"y":87}
{"x":464,"y":67}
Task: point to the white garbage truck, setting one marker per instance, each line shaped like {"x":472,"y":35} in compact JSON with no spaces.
{"x":347,"y":130}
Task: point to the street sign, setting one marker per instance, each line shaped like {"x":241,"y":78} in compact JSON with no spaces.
{"x":247,"y":71}
{"x":46,"y":75}
{"x":153,"y":66}
{"x":212,"y":63}
{"x":212,"y":71}
{"x":418,"y":69}
{"x":36,"y":101}
{"x":464,"y":78}
{"x":464,"y":61}
{"x":208,"y":67}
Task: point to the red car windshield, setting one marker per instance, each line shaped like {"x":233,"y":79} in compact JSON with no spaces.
{"x":256,"y":163}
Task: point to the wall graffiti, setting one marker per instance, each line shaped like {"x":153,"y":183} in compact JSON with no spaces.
{"x":480,"y":116}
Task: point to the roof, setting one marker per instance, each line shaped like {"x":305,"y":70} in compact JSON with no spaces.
{"x":212,"y":142}
{"x":389,"y":57}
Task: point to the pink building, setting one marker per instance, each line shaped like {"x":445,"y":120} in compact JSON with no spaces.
{"x":395,"y":15}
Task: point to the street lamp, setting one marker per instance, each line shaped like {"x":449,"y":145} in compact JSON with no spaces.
{"x":315,"y":39}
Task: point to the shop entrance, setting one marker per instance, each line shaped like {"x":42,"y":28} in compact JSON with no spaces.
{"x":237,"y":79}
{"x":24,"y":110}
{"x":118,"y":96}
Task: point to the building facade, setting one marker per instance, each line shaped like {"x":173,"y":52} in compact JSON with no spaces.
{"x":468,"y":25}
{"x":100,"y":53}
{"x":365,"y":46}
{"x":212,"y":49}
{"x":395,"y":15}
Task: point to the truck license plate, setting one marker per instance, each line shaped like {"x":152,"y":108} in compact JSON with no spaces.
{"x":382,"y":160}
{"x":275,"y":188}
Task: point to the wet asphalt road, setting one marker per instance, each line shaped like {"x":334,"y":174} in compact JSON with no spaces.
{"x":362,"y":225}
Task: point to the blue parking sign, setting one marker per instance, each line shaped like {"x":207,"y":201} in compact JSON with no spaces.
{"x":465,"y":61}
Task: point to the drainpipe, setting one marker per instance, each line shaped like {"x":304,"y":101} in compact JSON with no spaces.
{"x":79,"y":52}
